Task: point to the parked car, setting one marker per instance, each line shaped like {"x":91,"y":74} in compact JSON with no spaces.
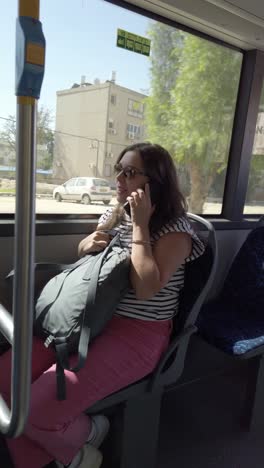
{"x":85,"y":190}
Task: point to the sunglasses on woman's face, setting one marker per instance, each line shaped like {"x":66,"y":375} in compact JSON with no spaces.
{"x":129,"y":172}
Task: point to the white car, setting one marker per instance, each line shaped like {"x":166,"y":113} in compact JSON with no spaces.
{"x":85,"y":190}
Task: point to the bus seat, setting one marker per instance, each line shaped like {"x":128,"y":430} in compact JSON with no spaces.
{"x":234,"y":322}
{"x":133,"y":439}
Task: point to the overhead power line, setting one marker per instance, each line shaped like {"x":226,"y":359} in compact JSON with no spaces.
{"x":70,"y":134}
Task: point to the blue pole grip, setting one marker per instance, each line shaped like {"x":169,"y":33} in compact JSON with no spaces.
{"x":30,"y":57}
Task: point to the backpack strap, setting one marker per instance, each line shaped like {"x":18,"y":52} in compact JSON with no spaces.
{"x":61,"y":343}
{"x":51,"y":267}
{"x":45,"y":271}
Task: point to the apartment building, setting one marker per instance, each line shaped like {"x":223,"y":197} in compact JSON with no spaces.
{"x":94,"y":122}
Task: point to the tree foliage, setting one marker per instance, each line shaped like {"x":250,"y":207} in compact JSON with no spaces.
{"x":164,"y":70}
{"x":191,"y":107}
{"x":45,"y":137}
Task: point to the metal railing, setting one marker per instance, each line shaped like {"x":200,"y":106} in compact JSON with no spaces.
{"x":17,"y":328}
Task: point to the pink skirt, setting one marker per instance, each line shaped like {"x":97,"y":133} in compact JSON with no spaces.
{"x":127,"y":351}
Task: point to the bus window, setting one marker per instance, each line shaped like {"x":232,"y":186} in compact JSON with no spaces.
{"x":255,"y":190}
{"x":99,"y":98}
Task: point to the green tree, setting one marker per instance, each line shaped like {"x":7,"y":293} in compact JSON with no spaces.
{"x":198,"y":101}
{"x":164,"y":70}
{"x":45,"y":137}
{"x":8,"y":134}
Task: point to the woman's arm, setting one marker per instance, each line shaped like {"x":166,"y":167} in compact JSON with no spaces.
{"x":95,"y":242}
{"x":151,"y":269}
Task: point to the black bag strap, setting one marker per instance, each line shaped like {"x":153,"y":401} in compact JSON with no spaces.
{"x":61,"y":343}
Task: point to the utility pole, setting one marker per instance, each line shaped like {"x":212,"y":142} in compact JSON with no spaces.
{"x":95,"y":144}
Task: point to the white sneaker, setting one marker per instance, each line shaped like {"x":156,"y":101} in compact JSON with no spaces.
{"x":99,"y":430}
{"x":87,"y":457}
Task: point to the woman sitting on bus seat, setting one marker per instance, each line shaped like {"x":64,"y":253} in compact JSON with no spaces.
{"x":160,"y":240}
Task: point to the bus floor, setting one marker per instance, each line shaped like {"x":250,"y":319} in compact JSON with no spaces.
{"x":200,"y":428}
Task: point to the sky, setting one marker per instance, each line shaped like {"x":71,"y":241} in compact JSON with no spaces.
{"x":81,"y":40}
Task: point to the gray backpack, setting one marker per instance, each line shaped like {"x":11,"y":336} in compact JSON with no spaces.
{"x":76,"y":304}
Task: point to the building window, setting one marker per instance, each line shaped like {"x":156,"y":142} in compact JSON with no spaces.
{"x":135,"y":108}
{"x":109,"y":152}
{"x":111,"y":127}
{"x":113,"y":99}
{"x":133,"y":132}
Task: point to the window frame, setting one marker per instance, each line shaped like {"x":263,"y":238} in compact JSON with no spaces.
{"x":135,"y":113}
{"x":113,"y":101}
{"x":238,"y":166}
{"x":245,"y":119}
{"x":243,"y":134}
{"x":131,"y":134}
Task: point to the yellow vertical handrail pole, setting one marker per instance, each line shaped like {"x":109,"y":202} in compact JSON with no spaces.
{"x":30,"y":57}
{"x":29,"y":8}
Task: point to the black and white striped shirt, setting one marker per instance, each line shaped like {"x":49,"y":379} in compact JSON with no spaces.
{"x":164,"y":305}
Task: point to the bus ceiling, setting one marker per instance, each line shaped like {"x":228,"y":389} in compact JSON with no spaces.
{"x":237,"y":22}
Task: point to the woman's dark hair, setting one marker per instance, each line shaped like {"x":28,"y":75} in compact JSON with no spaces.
{"x":159,"y":167}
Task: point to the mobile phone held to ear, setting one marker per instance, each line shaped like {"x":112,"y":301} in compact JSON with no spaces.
{"x":154,"y":188}
{"x":127,"y":208}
